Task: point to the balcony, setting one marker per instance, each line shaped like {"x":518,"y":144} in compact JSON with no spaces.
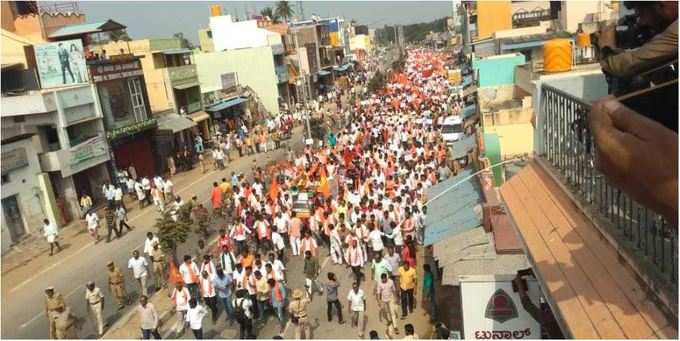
{"x":184,"y":74}
{"x":608,"y":265}
{"x":77,"y":158}
{"x":282,"y":73}
{"x":33,"y":102}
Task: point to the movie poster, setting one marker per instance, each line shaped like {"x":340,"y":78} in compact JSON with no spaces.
{"x":61,"y":63}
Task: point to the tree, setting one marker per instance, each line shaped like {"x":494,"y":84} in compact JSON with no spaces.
{"x":284,"y":10}
{"x":171,"y":233}
{"x":185,"y":41}
{"x":119,"y":35}
{"x":377,"y":82}
{"x":268,"y":12}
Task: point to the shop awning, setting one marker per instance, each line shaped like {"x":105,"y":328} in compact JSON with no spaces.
{"x":459,"y":245}
{"x":226,"y":104}
{"x":467,"y":80}
{"x":174,"y":122}
{"x":468,"y":111}
{"x":185,"y":86}
{"x":199,"y":116}
{"x":324,"y":73}
{"x":460,"y":148}
{"x":174,"y":51}
{"x":456,"y":211}
{"x":342,"y":68}
{"x":484,"y":265}
{"x":469,"y":91}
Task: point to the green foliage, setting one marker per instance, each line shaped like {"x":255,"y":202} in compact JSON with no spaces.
{"x":377,"y":82}
{"x":171,"y":233}
{"x":318,"y":128}
{"x":269,"y":12}
{"x":412,"y":33}
{"x":284,"y":10}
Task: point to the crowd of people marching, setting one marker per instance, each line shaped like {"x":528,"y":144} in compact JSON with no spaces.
{"x":358,"y":198}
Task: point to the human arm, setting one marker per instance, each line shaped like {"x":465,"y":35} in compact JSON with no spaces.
{"x":637,"y":155}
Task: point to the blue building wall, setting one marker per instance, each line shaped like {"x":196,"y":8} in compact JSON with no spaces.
{"x":497,"y":70}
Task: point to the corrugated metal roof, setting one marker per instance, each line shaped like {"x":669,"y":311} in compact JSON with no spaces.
{"x":80,"y":29}
{"x":499,"y":265}
{"x":455,"y":211}
{"x":226,"y":104}
{"x":174,"y":51}
{"x":456,"y":245}
{"x":174,"y":122}
{"x":460,"y":148}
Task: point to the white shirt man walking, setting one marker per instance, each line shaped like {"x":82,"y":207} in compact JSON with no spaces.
{"x":139,"y":267}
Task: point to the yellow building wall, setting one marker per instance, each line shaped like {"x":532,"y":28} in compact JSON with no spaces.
{"x":493,"y":16}
{"x":159,"y":99}
{"x":204,"y":41}
{"x":13,"y":48}
{"x":515,"y":139}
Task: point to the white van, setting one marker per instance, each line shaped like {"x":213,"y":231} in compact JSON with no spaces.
{"x":452,"y":129}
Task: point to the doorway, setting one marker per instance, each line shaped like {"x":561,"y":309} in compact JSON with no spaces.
{"x":15,"y":223}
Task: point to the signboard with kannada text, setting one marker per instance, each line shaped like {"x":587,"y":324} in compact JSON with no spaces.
{"x":492,"y":310}
{"x":102,"y":73}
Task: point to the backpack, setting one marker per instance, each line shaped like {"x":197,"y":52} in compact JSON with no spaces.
{"x":240,"y":313}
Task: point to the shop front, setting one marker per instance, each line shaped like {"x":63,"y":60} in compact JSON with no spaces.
{"x":131,"y":146}
{"x":203,"y":124}
{"x":228,"y":114}
{"x":174,"y":135}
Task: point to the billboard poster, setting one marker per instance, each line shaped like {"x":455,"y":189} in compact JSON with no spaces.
{"x":61,"y":63}
{"x":491,"y":309}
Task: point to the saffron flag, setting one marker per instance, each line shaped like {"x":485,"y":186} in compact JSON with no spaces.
{"x":323,"y":185}
{"x":274,"y":190}
{"x":174,"y":276}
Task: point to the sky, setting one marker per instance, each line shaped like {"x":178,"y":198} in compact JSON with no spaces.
{"x":160,"y":19}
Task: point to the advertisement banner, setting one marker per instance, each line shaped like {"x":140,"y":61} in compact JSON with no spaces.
{"x":491,"y":309}
{"x":61,"y":63}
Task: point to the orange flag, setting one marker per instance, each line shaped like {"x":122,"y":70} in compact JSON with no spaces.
{"x":274,"y":190}
{"x":323,"y":185}
{"x":174,"y":276}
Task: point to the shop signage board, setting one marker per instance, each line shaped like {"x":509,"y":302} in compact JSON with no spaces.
{"x":102,"y":73}
{"x":14,"y":159}
{"x":85,"y":155}
{"x":131,"y":129}
{"x":491,"y":309}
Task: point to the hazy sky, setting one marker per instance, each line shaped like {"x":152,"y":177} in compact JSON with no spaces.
{"x":159,"y":19}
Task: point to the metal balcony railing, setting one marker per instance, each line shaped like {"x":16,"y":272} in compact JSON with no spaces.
{"x":644,"y":237}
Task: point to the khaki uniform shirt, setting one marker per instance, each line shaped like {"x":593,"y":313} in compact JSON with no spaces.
{"x":116,"y":277}
{"x":93,"y":296}
{"x":298,"y":308}
{"x":158,"y":255}
{"x":55,"y":302}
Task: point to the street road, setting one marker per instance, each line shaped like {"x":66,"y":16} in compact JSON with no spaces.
{"x":23,"y":298}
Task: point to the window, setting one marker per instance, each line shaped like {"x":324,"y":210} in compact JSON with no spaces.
{"x":210,"y":34}
{"x":5,"y":178}
{"x":137,"y":98}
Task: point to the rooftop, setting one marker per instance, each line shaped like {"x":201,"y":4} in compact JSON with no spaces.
{"x":82,"y":29}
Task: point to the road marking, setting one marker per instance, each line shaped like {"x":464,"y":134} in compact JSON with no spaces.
{"x":142,"y":212}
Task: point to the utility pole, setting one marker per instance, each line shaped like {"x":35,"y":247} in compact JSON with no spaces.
{"x":302,"y":11}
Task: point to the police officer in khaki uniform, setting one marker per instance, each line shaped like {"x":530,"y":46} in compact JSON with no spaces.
{"x":95,"y":304}
{"x":298,"y":311}
{"x":53,"y":302}
{"x":64,"y":323}
{"x":117,"y":284}
{"x":159,"y":266}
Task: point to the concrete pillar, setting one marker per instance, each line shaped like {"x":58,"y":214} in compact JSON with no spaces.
{"x":49,"y":204}
{"x":71,"y":197}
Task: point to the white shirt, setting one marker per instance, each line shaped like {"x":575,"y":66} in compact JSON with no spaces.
{"x":118,"y":196}
{"x":278,"y":268}
{"x":245,"y":304}
{"x":195,"y":317}
{"x":356,"y":300}
{"x":281,"y":223}
{"x":148,"y":244}
{"x":181,"y":298}
{"x":376,"y":240}
{"x":186,"y":274}
{"x":278,"y":241}
{"x":92,"y":220}
{"x":50,"y":230}
{"x":167,"y":187}
{"x":138,"y":266}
